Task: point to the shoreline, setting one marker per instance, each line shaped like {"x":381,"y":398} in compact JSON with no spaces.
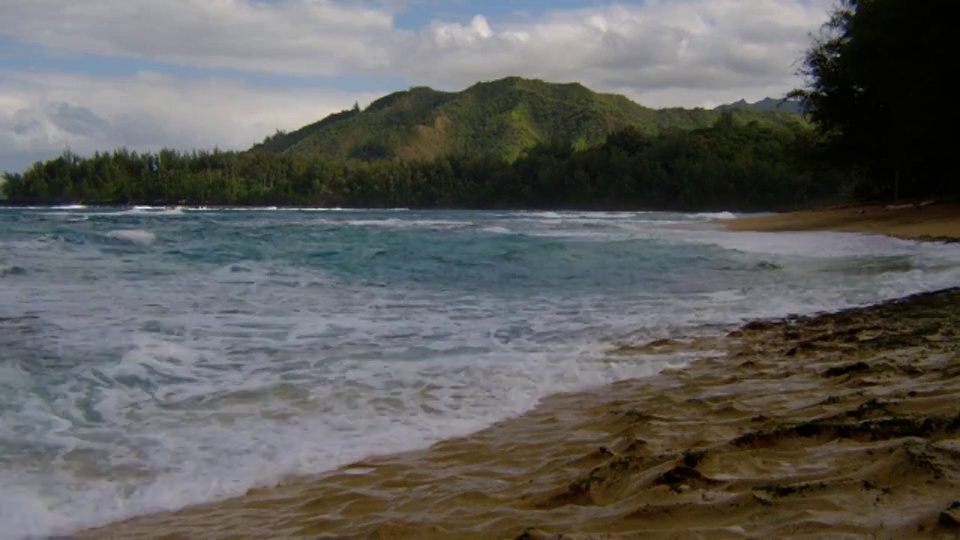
{"x":633,"y":458}
{"x":159,"y":205}
{"x":844,"y":422}
{"x":926,"y":221}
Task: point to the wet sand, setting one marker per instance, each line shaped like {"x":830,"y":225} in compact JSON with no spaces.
{"x":844,"y":423}
{"x":921,"y":221}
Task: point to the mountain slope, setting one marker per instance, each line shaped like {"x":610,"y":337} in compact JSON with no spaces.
{"x":501,"y":118}
{"x":765,"y":104}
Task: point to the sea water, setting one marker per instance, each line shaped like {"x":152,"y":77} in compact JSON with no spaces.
{"x":156,"y":358}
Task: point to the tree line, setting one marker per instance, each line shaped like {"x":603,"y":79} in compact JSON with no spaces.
{"x":727,"y":166}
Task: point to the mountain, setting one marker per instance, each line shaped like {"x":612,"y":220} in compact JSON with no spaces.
{"x":765,"y":104}
{"x":502,"y":118}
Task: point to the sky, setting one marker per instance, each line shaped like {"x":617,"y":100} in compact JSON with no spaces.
{"x":89,"y":75}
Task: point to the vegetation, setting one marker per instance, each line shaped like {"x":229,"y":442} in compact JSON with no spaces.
{"x":877,"y":85}
{"x":500,"y":118}
{"x":730,"y":165}
{"x":766,"y":104}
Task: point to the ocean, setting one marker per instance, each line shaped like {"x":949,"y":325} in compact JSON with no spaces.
{"x":155,"y":358}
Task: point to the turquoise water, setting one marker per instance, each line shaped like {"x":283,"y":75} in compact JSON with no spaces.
{"x":154,"y":358}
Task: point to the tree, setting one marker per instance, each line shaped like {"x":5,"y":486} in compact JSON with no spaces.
{"x":876,"y":87}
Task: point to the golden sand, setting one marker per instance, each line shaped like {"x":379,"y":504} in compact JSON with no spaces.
{"x":926,"y":221}
{"x":845,"y":423}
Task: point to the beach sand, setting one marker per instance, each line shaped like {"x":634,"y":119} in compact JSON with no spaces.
{"x":923,"y":221}
{"x":845,"y":423}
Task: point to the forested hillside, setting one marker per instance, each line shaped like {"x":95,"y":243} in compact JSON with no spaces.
{"x":731,"y":165}
{"x":766,"y":104}
{"x":500,"y":118}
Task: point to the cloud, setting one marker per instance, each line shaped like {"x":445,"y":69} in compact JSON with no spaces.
{"x":698,"y":48}
{"x":648,"y":47}
{"x":42,"y":114}
{"x":305,"y":37}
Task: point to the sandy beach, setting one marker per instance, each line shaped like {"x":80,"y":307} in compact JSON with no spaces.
{"x":920,"y":220}
{"x":843,"y":424}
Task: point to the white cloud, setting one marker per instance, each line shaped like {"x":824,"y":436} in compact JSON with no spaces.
{"x":662,"y":52}
{"x":41,"y":114}
{"x":648,"y":47}
{"x":307,"y":37}
{"x":456,"y":35}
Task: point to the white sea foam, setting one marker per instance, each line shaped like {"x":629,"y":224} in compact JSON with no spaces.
{"x":398,"y":223}
{"x":161,"y":211}
{"x":135,"y":236}
{"x":7,"y":270}
{"x":143,"y":211}
{"x":545,"y":215}
{"x":715,"y":216}
{"x":298,"y":209}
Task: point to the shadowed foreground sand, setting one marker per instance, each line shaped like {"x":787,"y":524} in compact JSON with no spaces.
{"x":842,"y":423}
{"x":923,"y":221}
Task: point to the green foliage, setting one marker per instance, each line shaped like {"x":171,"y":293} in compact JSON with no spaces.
{"x":280,"y":140}
{"x":502,"y":118}
{"x":730,"y":165}
{"x":877,"y":84}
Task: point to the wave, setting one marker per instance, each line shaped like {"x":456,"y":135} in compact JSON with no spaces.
{"x":292,"y":209}
{"x":715,"y":216}
{"x":545,"y":215}
{"x":160,"y":211}
{"x":12,"y":270}
{"x":396,"y":223}
{"x":135,"y":236}
{"x":145,"y":211}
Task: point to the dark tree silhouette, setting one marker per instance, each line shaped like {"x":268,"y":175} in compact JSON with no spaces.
{"x":876,"y":88}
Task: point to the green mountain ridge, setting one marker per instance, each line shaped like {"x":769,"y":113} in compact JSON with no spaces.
{"x":765,"y":104}
{"x":502,"y":118}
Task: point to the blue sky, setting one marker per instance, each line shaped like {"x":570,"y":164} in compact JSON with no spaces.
{"x":420,"y":14}
{"x":99,"y":74}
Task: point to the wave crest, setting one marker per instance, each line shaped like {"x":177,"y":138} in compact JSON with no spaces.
{"x":134,"y":236}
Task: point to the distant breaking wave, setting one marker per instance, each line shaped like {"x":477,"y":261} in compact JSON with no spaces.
{"x":135,"y":236}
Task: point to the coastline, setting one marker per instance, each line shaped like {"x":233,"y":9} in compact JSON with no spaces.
{"x":843,"y":423}
{"x":914,"y":221}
